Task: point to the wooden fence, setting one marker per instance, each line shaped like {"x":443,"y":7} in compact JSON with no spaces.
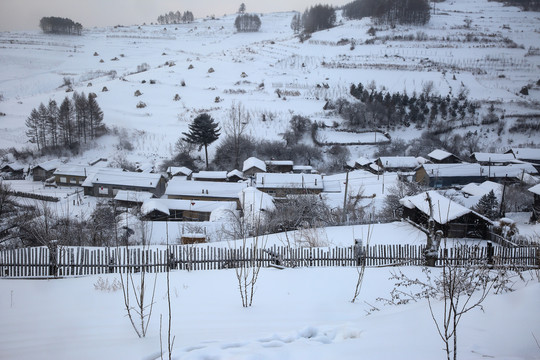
{"x":39,"y":262}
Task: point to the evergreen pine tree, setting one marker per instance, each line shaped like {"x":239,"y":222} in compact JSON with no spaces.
{"x":32,"y":124}
{"x":488,"y":205}
{"x":203,"y":131}
{"x":95,"y":115}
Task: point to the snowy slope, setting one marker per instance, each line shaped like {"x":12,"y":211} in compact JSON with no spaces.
{"x":490,"y":66}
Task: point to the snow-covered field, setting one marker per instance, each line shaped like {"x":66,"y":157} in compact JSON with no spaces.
{"x":296,"y":314}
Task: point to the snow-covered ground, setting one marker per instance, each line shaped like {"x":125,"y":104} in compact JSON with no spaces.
{"x":296,"y":314}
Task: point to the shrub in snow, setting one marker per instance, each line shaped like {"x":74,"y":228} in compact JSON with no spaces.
{"x":96,"y":54}
{"x":105,"y":285}
{"x":141,"y":105}
{"x":190,"y":66}
{"x":211,"y":70}
{"x":176,"y":97}
{"x":143,"y":67}
{"x":137,"y":93}
{"x":506,"y":228}
{"x":104,"y":89}
{"x":524,"y":90}
{"x":101,"y":61}
{"x":115,"y":59}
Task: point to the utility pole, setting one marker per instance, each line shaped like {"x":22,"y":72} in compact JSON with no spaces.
{"x":344,"y":218}
{"x":502,"y":199}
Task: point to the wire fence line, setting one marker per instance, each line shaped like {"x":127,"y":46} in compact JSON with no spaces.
{"x":42,"y":262}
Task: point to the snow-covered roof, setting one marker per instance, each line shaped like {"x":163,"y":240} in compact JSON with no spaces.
{"x":514,"y":170}
{"x":362,"y":161}
{"x":439,"y":154}
{"x":280,"y":162}
{"x":165,"y":205}
{"x":133,"y":196}
{"x":483,"y":188}
{"x":400,"y":161}
{"x":15,"y":166}
{"x":302,"y":168}
{"x":179,"y":170}
{"x":216,"y":175}
{"x":454,"y":170}
{"x":253,"y":200}
{"x":180,"y":187}
{"x":535,"y":189}
{"x":145,"y":167}
{"x":289,"y":181}
{"x":50,"y":165}
{"x":444,"y":209}
{"x":331,"y":185}
{"x":493,"y":157}
{"x":81,"y":170}
{"x":122,"y":178}
{"x":253,"y":162}
{"x":526,"y":153}
{"x":235,"y":172}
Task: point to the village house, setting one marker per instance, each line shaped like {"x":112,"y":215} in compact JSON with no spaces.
{"x":304,"y":169}
{"x":179,"y":171}
{"x":13,"y":171}
{"x":144,"y":167}
{"x":73,"y":174}
{"x":492,"y":158}
{"x":130,"y":199}
{"x":253,"y":166}
{"x":528,"y":155}
{"x":184,"y":210}
{"x":360,"y":163}
{"x":455,"y":220}
{"x":281,"y":185}
{"x":511,"y":173}
{"x":235,"y":176}
{"x":535,"y":216}
{"x":399,"y":163}
{"x":448,"y":175}
{"x":204,"y":190}
{"x":217,"y":176}
{"x":279,"y":166}
{"x":107,"y":182}
{"x":443,"y":157}
{"x":45,"y":170}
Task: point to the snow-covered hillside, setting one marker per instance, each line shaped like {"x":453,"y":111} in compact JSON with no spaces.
{"x":493,"y":58}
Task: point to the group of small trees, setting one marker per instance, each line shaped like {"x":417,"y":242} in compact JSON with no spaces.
{"x":247,"y":23}
{"x":316,"y":18}
{"x":383,"y":109}
{"x":58,"y":25}
{"x":75,"y":121}
{"x":175,"y":18}
{"x":390,"y":12}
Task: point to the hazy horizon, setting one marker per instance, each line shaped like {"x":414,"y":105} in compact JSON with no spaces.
{"x":25,"y":14}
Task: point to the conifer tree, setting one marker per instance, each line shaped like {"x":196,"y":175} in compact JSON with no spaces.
{"x":203,"y":131}
{"x":488,"y":205}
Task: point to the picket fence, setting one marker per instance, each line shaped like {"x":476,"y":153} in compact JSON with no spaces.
{"x":37,"y":262}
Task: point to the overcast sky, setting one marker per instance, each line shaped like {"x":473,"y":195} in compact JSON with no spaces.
{"x":25,"y":14}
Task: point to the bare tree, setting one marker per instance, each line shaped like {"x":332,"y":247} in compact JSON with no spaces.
{"x":360,"y":255}
{"x":134,"y":287}
{"x":235,"y":128}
